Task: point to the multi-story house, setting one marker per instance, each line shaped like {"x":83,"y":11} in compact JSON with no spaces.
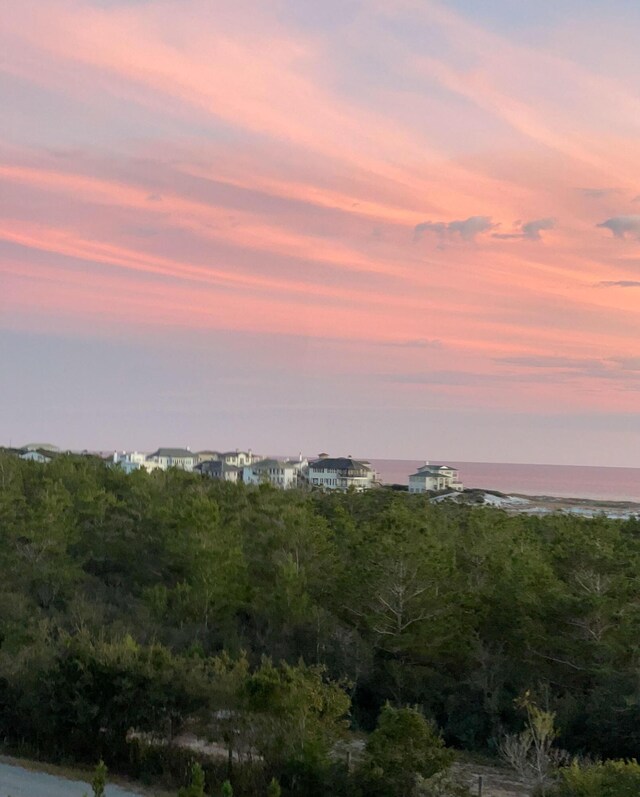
{"x":182,"y":458}
{"x":280,"y":473}
{"x":341,"y":473}
{"x":134,"y":460}
{"x":207,"y":456}
{"x":218,"y":469}
{"x":236,"y":459}
{"x":431,"y":478}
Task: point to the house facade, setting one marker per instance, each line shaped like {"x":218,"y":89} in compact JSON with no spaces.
{"x":236,"y":459}
{"x":38,"y":452}
{"x":134,"y":460}
{"x":229,"y":467}
{"x":283,"y":474}
{"x":341,"y":473}
{"x":432,"y":478}
{"x":181,"y":458}
{"x":43,"y":456}
{"x":217,"y":469}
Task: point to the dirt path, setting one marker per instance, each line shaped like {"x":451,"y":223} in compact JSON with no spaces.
{"x":496,"y":781}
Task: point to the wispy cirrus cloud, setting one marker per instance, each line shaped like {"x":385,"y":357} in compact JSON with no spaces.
{"x":549,"y":361}
{"x":620,"y":368}
{"x":619,"y":283}
{"x":158,"y":180}
{"x":598,"y":193}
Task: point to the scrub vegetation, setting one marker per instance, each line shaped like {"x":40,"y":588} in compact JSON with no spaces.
{"x":194,"y":632}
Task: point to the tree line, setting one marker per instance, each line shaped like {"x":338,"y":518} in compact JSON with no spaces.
{"x":135,"y":609}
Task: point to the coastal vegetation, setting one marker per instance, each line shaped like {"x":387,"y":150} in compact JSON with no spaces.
{"x":303,"y":643}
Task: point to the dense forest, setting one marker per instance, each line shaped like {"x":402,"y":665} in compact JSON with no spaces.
{"x":137,"y":608}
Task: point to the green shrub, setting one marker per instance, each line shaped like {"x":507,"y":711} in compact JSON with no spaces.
{"x":273,"y":789}
{"x":196,"y":784}
{"x":608,"y":779}
{"x":403,"y":752}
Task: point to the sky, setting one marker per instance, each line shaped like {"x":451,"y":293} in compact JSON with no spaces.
{"x":386,"y":228}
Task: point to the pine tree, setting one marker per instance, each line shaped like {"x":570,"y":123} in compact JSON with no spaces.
{"x":273,"y":789}
{"x":196,"y":786}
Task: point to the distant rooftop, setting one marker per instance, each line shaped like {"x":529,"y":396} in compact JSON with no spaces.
{"x":174,"y":453}
{"x":338,"y":463}
{"x":265,"y":464}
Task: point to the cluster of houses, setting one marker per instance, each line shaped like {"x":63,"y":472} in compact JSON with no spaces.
{"x":324,"y":472}
{"x":331,"y":473}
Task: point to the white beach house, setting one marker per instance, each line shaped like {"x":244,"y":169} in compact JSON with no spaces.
{"x":341,"y":473}
{"x":279,"y":473}
{"x":431,"y":478}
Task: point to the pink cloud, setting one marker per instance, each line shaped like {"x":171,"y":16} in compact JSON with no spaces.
{"x":260,"y":186}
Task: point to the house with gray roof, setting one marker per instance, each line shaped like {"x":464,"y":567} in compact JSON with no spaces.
{"x":237,"y":458}
{"x":41,"y":455}
{"x":341,"y":473}
{"x":283,"y":474}
{"x":182,"y":458}
{"x":432,"y":478}
{"x":218,"y":469}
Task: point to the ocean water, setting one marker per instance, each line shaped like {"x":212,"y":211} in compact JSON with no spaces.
{"x":564,"y":481}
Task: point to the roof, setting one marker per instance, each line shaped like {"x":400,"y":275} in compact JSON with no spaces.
{"x":42,"y":452}
{"x":234,"y":453}
{"x":211,"y":464}
{"x":265,"y":464}
{"x":172,"y":452}
{"x":40,"y":447}
{"x":338,"y":463}
{"x":218,"y":465}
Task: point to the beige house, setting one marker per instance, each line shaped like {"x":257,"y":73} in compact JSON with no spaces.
{"x":182,"y":458}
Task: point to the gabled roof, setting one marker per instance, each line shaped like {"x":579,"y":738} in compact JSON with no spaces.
{"x":42,"y":452}
{"x":211,"y":464}
{"x":172,"y":452}
{"x":234,"y":453}
{"x":216,"y":465}
{"x":266,"y":464}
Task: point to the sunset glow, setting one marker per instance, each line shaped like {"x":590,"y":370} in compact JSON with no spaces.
{"x":399,"y":227}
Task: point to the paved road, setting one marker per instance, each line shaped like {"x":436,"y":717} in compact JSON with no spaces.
{"x":19,"y":782}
